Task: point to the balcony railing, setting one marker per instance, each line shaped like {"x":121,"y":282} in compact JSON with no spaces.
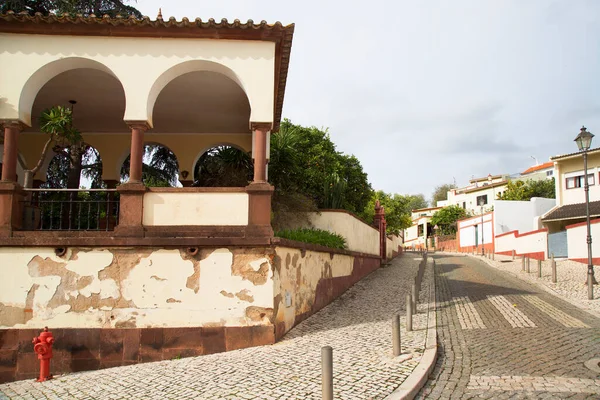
{"x":70,"y":209}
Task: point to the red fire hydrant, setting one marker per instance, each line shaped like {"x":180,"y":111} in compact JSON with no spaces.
{"x":42,"y":345}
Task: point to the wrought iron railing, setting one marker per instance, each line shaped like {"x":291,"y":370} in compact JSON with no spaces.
{"x":70,"y":209}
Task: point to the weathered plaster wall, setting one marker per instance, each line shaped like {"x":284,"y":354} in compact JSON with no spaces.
{"x":195,"y":209}
{"x":306,"y":281}
{"x":135,"y":288}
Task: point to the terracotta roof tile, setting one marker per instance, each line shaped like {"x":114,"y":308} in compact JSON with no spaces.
{"x":93,"y":25}
{"x":538,"y":167}
{"x":573,"y":211}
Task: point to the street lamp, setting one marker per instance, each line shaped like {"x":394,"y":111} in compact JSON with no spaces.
{"x":584,"y":141}
{"x":481,"y":203}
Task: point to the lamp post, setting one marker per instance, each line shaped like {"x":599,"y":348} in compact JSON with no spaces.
{"x":584,"y":141}
{"x":481,"y":203}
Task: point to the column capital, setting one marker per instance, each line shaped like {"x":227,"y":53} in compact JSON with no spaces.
{"x":13,"y":123}
{"x":141,"y":125}
{"x":261,"y":126}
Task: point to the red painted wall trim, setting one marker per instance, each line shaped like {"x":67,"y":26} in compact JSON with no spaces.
{"x":517,"y":234}
{"x":595,"y":260}
{"x":458,"y":221}
{"x":532,"y":232}
{"x":507,"y":233}
{"x":593,"y":221}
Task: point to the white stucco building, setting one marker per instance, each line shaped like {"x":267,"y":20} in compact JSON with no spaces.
{"x":481,"y":190}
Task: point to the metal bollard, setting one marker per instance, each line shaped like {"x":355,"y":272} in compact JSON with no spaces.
{"x":513,"y":255}
{"x":539,"y":262}
{"x":396,"y":336}
{"x":493,"y":256}
{"x":408,"y":313}
{"x":523,"y":263}
{"x":553,"y":263}
{"x":527,"y":263}
{"x":327,"y":372}
{"x":414,"y":297}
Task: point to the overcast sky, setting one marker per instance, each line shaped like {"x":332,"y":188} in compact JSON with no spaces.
{"x":425,"y":92}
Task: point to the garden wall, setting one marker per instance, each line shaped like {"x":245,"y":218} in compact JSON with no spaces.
{"x":360,"y":237}
{"x":577,"y":241}
{"x":532,"y":244}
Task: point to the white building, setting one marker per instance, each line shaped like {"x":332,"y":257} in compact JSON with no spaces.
{"x":416,"y":235}
{"x":538,"y":172}
{"x":479,"y":191}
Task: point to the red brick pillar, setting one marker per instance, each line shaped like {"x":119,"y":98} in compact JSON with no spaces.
{"x":10,"y":191}
{"x":137,"y":150}
{"x":259,"y":149}
{"x":259,"y":191}
{"x":381,"y":225}
{"x":131,"y":193}
{"x":9,"y":156}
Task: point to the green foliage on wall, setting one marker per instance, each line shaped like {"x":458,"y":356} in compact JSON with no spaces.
{"x":446,"y":219}
{"x":309,"y":173}
{"x":525,"y":190}
{"x":314,"y":236}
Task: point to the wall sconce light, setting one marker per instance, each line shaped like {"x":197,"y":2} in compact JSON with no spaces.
{"x":184,"y":174}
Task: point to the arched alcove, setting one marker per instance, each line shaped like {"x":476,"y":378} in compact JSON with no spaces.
{"x":160,"y":166}
{"x":223,"y":166}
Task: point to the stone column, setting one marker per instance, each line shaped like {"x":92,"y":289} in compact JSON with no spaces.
{"x":137,"y":150}
{"x":9,"y":157}
{"x":260,"y":151}
{"x":131,"y":193}
{"x":10,"y":193}
{"x":259,"y":191}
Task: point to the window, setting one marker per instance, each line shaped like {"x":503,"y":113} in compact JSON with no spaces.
{"x":482,"y":200}
{"x":464,"y":205}
{"x":420,"y":230}
{"x":578,"y":181}
{"x":549,"y":173}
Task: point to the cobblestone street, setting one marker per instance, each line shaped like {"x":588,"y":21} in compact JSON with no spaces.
{"x":357,"y":326}
{"x":502,"y":338}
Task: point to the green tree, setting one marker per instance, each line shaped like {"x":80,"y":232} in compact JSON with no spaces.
{"x":159,"y":167}
{"x":84,"y":7}
{"x":397,"y":208}
{"x":525,"y":190}
{"x":441,"y":193}
{"x":73,"y":155}
{"x":305,"y":161}
{"x":446,"y":218}
{"x":223,"y":166}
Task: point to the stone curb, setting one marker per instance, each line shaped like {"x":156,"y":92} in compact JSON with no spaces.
{"x":417,"y":378}
{"x":539,"y":284}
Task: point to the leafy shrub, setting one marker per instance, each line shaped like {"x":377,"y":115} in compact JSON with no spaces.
{"x":315,"y":236}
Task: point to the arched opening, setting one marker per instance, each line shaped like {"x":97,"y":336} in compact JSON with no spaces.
{"x":69,"y":169}
{"x":74,"y":197}
{"x":97,"y":103}
{"x":73,"y":209}
{"x":92,"y":83}
{"x":223,"y":166}
{"x":201,"y":102}
{"x":160,"y":167}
